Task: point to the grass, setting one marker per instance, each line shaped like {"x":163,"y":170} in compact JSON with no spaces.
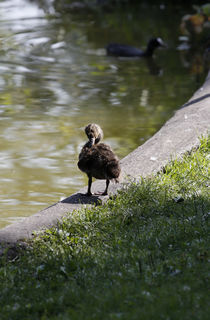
{"x":143,"y":255}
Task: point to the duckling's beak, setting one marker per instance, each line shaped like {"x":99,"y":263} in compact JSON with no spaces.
{"x":92,"y":141}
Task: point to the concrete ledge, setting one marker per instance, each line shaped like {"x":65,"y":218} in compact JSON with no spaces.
{"x":179,"y":135}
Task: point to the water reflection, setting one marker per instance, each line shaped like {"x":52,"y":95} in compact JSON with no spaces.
{"x":54,"y":79}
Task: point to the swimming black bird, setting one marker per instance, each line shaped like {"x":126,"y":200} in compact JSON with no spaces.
{"x":123,"y":50}
{"x":97,"y":159}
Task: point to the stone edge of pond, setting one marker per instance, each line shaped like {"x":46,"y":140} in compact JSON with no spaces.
{"x":179,"y":135}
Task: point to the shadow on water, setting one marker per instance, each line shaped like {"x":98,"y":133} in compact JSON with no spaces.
{"x":153,"y":68}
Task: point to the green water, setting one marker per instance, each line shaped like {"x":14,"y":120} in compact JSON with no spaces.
{"x":55,"y":78}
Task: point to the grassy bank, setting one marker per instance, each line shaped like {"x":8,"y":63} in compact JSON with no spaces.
{"x":143,"y":255}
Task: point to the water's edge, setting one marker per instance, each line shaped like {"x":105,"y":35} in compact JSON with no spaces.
{"x":178,"y":135}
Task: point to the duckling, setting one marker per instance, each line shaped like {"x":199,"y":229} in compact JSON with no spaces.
{"x":97,"y":159}
{"x":123,"y":50}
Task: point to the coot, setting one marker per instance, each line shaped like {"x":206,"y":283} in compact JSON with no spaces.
{"x":123,"y":50}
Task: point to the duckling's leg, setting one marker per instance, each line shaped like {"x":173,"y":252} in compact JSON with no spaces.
{"x":89,"y":193}
{"x":106,"y":190}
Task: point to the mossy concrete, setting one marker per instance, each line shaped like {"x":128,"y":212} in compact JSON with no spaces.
{"x":179,"y":135}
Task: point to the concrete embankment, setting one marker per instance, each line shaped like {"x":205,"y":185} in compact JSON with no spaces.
{"x":179,"y":135}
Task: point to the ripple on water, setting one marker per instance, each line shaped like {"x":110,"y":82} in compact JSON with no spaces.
{"x":6,"y":161}
{"x":39,"y":162}
{"x":16,"y":10}
{"x":10,"y":202}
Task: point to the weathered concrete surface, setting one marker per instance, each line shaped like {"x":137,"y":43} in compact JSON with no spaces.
{"x":179,"y":135}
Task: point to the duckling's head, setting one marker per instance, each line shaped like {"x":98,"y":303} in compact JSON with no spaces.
{"x":94,"y":133}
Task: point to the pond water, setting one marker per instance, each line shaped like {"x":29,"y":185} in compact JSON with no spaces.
{"x":55,"y":78}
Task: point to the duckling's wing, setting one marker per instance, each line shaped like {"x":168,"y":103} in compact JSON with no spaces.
{"x":86,"y":159}
{"x":105,"y":151}
{"x":108,"y":161}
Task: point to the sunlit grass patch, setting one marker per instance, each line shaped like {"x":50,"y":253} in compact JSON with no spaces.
{"x":143,"y":255}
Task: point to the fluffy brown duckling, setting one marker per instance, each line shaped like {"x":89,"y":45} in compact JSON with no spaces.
{"x":97,"y":159}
